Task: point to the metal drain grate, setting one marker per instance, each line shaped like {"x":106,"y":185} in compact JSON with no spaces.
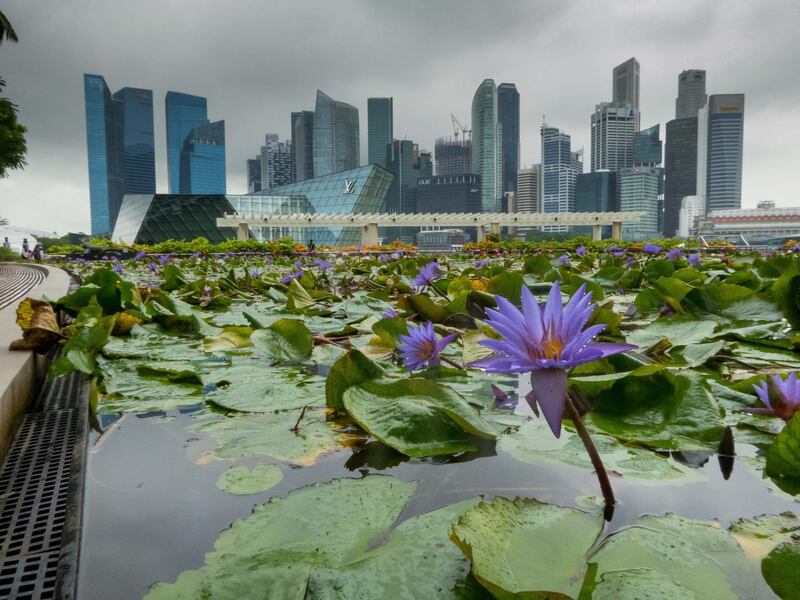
{"x":41,"y":495}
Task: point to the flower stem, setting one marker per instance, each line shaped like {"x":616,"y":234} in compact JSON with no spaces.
{"x":452,"y":363}
{"x":597,"y":462}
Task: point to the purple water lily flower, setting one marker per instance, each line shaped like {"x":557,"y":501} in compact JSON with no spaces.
{"x":389,"y":313}
{"x":206,"y":290}
{"x":420,"y":347}
{"x":619,"y":254}
{"x":140,"y":255}
{"x":480,"y":263}
{"x":613,"y":248}
{"x":563,"y":259}
{"x":427,"y":275}
{"x":117,"y":268}
{"x":152,"y":266}
{"x":163,"y":259}
{"x":296,"y":275}
{"x":384,"y":258}
{"x":675,"y":254}
{"x":255,"y":273}
{"x":105,"y":257}
{"x":580,"y":250}
{"x":694,"y":260}
{"x":322,"y":264}
{"x":545,"y":343}
{"x":630,"y":261}
{"x":651,"y":249}
{"x":781,"y":397}
{"x":298,"y":264}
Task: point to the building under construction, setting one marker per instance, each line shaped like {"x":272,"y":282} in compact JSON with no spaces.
{"x":453,"y":156}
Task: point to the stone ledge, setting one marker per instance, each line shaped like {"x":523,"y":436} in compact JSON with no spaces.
{"x":21,"y":373}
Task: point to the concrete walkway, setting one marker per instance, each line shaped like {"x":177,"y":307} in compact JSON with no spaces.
{"x":21,"y":372}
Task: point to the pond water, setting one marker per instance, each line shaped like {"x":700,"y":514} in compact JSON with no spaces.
{"x":153,"y":509}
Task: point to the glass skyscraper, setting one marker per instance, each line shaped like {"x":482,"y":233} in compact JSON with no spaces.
{"x":647,"y":148}
{"x":508,"y":115}
{"x":595,"y":192}
{"x":276,"y":162}
{"x":380,"y":129}
{"x":203,"y":160}
{"x":724,"y":155}
{"x":625,"y":85}
{"x":487,"y":156}
{"x":336,"y":137}
{"x":680,"y":169}
{"x":303,"y":144}
{"x":559,"y":170}
{"x":120,"y":148}
{"x":691,"y":93}
{"x":639,"y":192}
{"x":184,"y":112}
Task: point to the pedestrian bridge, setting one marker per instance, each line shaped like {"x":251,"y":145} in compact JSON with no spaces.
{"x":369,"y":222}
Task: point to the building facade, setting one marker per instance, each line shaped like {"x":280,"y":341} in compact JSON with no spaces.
{"x":754,"y":225}
{"x":449,"y":194}
{"x":529,"y":185}
{"x":691,"y":93}
{"x":336,"y":137}
{"x":254,"y":175}
{"x":380,"y":128}
{"x":560,"y":167}
{"x":184,"y":112}
{"x":277,"y":166}
{"x":595,"y":192}
{"x":303,"y":144}
{"x":203,"y":160}
{"x":691,"y":208}
{"x":680,"y":169}
{"x":639,"y":192}
{"x":625,"y":86}
{"x":508,"y":115}
{"x":612,"y":130}
{"x":487,"y":157}
{"x":403,"y":162}
{"x":453,"y":156}
{"x":120,"y":148}
{"x":723,"y":182}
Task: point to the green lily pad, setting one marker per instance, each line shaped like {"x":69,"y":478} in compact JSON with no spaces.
{"x":232,"y":338}
{"x":416,"y":417}
{"x":284,"y":340}
{"x":524,"y":548}
{"x":783,"y":457}
{"x":351,"y":369}
{"x":240,"y":480}
{"x":781,"y":569}
{"x":679,"y":330}
{"x":130,"y":389}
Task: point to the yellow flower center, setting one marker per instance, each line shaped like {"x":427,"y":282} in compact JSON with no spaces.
{"x":552,"y":347}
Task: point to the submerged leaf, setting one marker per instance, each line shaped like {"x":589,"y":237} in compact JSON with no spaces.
{"x":240,"y":480}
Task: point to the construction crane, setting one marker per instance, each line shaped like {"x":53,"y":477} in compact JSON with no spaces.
{"x":459,"y":128}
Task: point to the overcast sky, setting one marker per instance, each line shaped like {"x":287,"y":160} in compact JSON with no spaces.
{"x":256,"y":61}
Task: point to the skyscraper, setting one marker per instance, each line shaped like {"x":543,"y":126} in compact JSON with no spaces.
{"x":380,"y":129}
{"x":639,"y":192}
{"x":625,"y":85}
{"x":203,"y":160}
{"x":120,"y":148}
{"x":254,"y":175}
{"x":453,"y":156}
{"x":402,"y":161}
{"x":528,"y":187}
{"x":336,"y":141}
{"x":724,"y":163}
{"x":184,"y":112}
{"x":595,"y":192}
{"x":680,"y":169}
{"x":276,"y":162}
{"x":647,"y":149}
{"x":560,"y":166}
{"x":508,"y":115}
{"x":691,"y":93}
{"x":613,"y":126}
{"x":487,"y":157}
{"x":303,"y":144}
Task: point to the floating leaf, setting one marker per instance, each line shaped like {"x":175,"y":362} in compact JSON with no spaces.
{"x":781,"y":569}
{"x":284,"y":340}
{"x":240,"y":480}
{"x":232,"y":338}
{"x":351,"y":369}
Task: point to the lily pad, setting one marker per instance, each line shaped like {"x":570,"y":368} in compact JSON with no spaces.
{"x":416,"y":417}
{"x":284,"y":340}
{"x":240,"y":480}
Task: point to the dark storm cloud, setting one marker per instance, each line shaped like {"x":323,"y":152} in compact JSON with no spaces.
{"x":258,"y":61}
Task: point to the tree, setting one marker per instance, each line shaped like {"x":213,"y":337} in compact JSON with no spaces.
{"x":6,"y":30}
{"x":12,"y":137}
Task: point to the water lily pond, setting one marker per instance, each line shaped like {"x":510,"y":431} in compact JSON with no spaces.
{"x":258,"y":432}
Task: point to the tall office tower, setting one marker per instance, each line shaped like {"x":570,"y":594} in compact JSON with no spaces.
{"x":203,"y":160}
{"x":613,"y":127}
{"x":691,"y":93}
{"x":380,"y":129}
{"x":276,"y":162}
{"x":254,"y":174}
{"x":336,"y":143}
{"x":680,"y":169}
{"x":425,"y":164}
{"x":453,"y":156}
{"x":724,"y":163}
{"x":184,"y":113}
{"x":402,"y":161}
{"x":559,"y":169}
{"x":449,"y":194}
{"x":529,"y":183}
{"x":647,"y":152}
{"x":639,"y":192}
{"x":595,"y":192}
{"x":120,"y":148}
{"x":303,"y":144}
{"x":625,"y":85}
{"x":702,"y":155}
{"x":508,"y":115}
{"x":487,"y":156}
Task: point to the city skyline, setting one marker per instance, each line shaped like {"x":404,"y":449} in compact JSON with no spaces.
{"x":424,"y":94}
